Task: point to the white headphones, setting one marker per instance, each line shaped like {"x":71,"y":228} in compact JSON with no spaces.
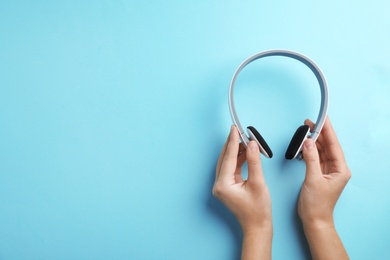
{"x":294,"y":149}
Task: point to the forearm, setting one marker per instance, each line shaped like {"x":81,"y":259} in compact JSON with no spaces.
{"x":324,"y":242}
{"x":257,"y":244}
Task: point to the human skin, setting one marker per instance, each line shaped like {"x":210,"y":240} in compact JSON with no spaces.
{"x":249,"y":200}
{"x":327,"y":173}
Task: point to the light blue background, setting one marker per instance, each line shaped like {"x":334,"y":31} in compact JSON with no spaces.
{"x":113,"y":114}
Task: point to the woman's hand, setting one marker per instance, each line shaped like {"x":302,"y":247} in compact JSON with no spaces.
{"x":327,"y":174}
{"x":249,"y":200}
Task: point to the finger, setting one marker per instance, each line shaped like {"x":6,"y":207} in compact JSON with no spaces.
{"x":229,"y":160}
{"x":331,"y":143}
{"x":241,"y":159}
{"x":238,"y":177}
{"x":222,"y":155}
{"x":321,"y":152}
{"x":319,"y":142}
{"x":241,"y":148}
{"x":312,"y":160}
{"x":255,"y":171}
{"x":309,"y":123}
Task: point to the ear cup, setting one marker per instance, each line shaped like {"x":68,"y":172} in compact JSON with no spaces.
{"x":256,"y":136}
{"x":297,"y":142}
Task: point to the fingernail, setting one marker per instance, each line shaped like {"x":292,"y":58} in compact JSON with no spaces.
{"x":253,"y":146}
{"x":309,"y":144}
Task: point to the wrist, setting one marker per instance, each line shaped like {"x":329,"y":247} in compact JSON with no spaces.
{"x":257,"y":242}
{"x":323,"y":240}
{"x":258,"y":230}
{"x":318,"y":225}
{"x":320,"y":219}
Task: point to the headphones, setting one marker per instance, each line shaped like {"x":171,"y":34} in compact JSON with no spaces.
{"x":294,"y":149}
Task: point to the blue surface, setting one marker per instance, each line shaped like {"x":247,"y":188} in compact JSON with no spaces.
{"x":113,"y":114}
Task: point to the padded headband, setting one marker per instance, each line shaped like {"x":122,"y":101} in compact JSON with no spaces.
{"x":297,"y":56}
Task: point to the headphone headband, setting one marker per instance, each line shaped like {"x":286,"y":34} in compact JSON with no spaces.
{"x":294,"y":55}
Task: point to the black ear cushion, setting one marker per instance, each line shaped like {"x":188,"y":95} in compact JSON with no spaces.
{"x":261,"y":140}
{"x":296,"y":141}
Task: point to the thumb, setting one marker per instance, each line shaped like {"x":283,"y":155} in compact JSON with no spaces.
{"x":255,"y":171}
{"x":312,"y":159}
